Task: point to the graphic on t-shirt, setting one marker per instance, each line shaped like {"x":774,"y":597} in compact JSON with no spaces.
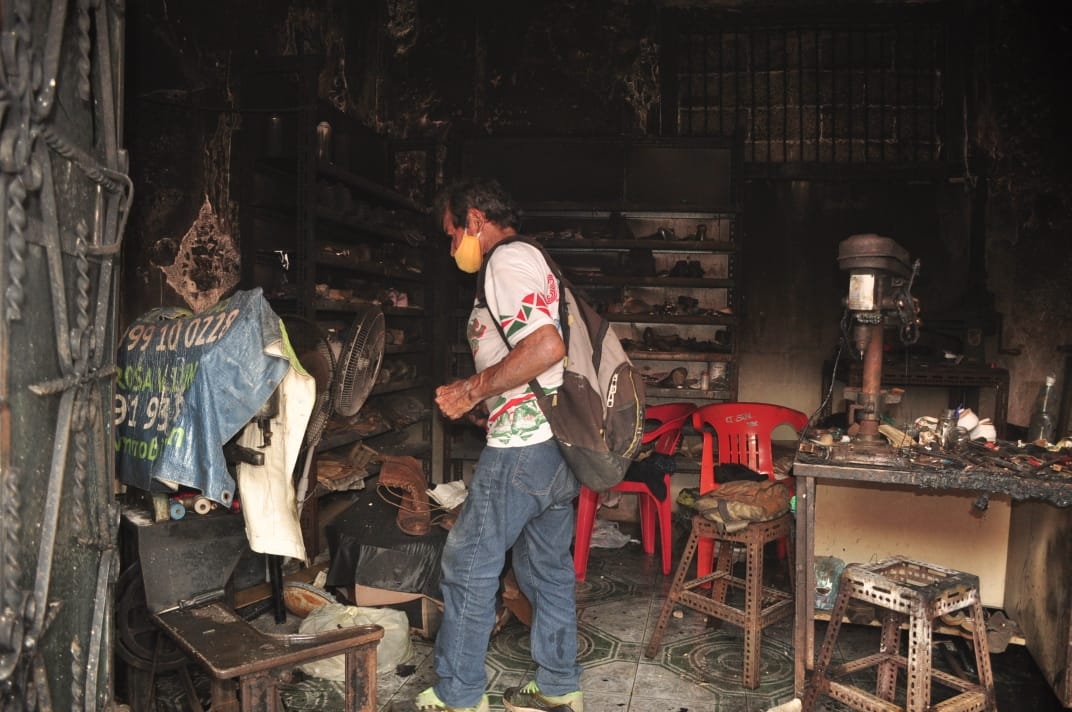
{"x":516,"y":418}
{"x":476,"y":332}
{"x":521,"y":297}
{"x":532,"y":302}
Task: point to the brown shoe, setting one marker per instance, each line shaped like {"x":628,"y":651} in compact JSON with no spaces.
{"x":405,"y":475}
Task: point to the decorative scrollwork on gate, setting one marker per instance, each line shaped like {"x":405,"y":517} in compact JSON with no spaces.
{"x":64,"y":202}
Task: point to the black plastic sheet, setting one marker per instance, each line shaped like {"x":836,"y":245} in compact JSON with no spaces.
{"x":367,"y":548}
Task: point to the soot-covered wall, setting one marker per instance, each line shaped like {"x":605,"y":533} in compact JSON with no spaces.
{"x":411,"y":69}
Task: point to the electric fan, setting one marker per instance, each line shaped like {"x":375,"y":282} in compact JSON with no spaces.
{"x":359,"y":362}
{"x":345,"y":373}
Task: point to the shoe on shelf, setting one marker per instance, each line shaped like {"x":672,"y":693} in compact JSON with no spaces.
{"x":428,"y":701}
{"x":530,"y":699}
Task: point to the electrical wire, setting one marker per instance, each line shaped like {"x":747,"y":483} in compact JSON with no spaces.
{"x":826,"y":399}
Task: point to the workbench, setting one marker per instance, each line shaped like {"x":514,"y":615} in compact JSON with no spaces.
{"x":1039,"y":553}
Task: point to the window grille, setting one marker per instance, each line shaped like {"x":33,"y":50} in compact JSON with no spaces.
{"x":850,"y":91}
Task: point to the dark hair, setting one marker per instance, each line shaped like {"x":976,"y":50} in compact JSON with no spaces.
{"x":487,"y":196}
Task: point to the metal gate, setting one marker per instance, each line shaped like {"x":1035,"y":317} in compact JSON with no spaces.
{"x":65,"y":195}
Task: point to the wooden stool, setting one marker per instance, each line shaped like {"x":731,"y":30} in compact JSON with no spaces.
{"x":919,"y":593}
{"x":230,"y":650}
{"x":754,"y":617}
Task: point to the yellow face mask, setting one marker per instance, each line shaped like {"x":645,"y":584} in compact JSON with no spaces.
{"x":467,"y":256}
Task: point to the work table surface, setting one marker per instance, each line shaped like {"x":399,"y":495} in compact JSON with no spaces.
{"x":1020,"y":473}
{"x":936,"y":471}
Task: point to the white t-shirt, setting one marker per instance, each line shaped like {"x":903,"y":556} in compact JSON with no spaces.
{"x":522,"y":293}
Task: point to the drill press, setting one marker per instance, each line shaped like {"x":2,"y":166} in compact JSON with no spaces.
{"x":880,"y":295}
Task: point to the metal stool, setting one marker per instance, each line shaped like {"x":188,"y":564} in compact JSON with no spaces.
{"x":919,"y":593}
{"x":754,"y":616}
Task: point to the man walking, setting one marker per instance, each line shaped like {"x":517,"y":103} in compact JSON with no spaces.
{"x":521,"y":491}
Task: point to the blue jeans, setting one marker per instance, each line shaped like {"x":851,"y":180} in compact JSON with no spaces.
{"x":521,"y":498}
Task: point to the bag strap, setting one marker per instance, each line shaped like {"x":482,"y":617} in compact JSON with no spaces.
{"x":481,"y":295}
{"x":563,"y":284}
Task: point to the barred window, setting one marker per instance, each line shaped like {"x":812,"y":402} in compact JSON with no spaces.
{"x":845,"y":91}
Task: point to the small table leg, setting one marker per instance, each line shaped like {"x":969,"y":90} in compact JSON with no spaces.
{"x":222,"y":696}
{"x":259,"y":693}
{"x":804,"y":620}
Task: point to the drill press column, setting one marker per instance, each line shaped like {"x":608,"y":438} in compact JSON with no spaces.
{"x":880,"y":278}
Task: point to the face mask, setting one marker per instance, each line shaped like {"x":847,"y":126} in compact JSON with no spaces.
{"x":467,"y":256}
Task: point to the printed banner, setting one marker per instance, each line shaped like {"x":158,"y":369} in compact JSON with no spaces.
{"x":186,"y":384}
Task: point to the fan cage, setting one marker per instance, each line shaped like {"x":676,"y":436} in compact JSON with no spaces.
{"x":359,"y":362}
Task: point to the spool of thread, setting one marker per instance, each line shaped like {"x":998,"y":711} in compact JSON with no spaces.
{"x":202,"y":505}
{"x":176,"y":510}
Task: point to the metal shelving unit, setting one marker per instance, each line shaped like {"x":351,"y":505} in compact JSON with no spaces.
{"x":324,"y":235}
{"x":648,"y":231}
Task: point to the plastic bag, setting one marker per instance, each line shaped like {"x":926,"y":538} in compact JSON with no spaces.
{"x":394,"y":648}
{"x":606,"y":535}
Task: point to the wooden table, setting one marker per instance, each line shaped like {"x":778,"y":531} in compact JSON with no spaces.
{"x":1038,"y":601}
{"x":245,"y":663}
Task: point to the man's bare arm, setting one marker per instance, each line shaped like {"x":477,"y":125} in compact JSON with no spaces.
{"x":532,"y":356}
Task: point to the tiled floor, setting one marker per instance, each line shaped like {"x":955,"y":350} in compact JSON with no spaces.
{"x":698,"y":669}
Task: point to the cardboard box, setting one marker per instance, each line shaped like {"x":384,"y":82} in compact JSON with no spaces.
{"x":424,"y":612}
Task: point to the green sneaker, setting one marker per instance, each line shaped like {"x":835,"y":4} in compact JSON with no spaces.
{"x":530,"y":699}
{"x":428,"y":701}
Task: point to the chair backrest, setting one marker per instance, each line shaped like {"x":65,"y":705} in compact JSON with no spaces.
{"x":744,"y":433}
{"x":672,"y":418}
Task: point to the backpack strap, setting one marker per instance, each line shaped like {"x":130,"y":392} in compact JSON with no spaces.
{"x":551,"y":264}
{"x":563,"y":312}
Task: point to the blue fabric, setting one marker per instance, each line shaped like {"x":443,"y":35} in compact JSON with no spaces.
{"x":520,"y":497}
{"x":186,"y":384}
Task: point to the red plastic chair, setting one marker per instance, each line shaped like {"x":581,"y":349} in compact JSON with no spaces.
{"x":744,"y":432}
{"x":671,"y":418}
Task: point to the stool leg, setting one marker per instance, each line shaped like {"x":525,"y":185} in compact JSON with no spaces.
{"x":675,"y":590}
{"x":889,"y":644}
{"x":982,"y":654}
{"x":705,"y":554}
{"x":819,"y":685}
{"x":918,"y":676}
{"x":724,"y":567}
{"x":753,"y":598}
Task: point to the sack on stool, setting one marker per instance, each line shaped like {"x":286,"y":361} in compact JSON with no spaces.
{"x":734,"y":505}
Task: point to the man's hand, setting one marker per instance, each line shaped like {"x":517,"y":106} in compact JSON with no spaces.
{"x":532,"y":356}
{"x":455,"y":399}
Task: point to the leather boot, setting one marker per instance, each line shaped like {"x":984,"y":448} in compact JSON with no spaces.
{"x":405,"y":474}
